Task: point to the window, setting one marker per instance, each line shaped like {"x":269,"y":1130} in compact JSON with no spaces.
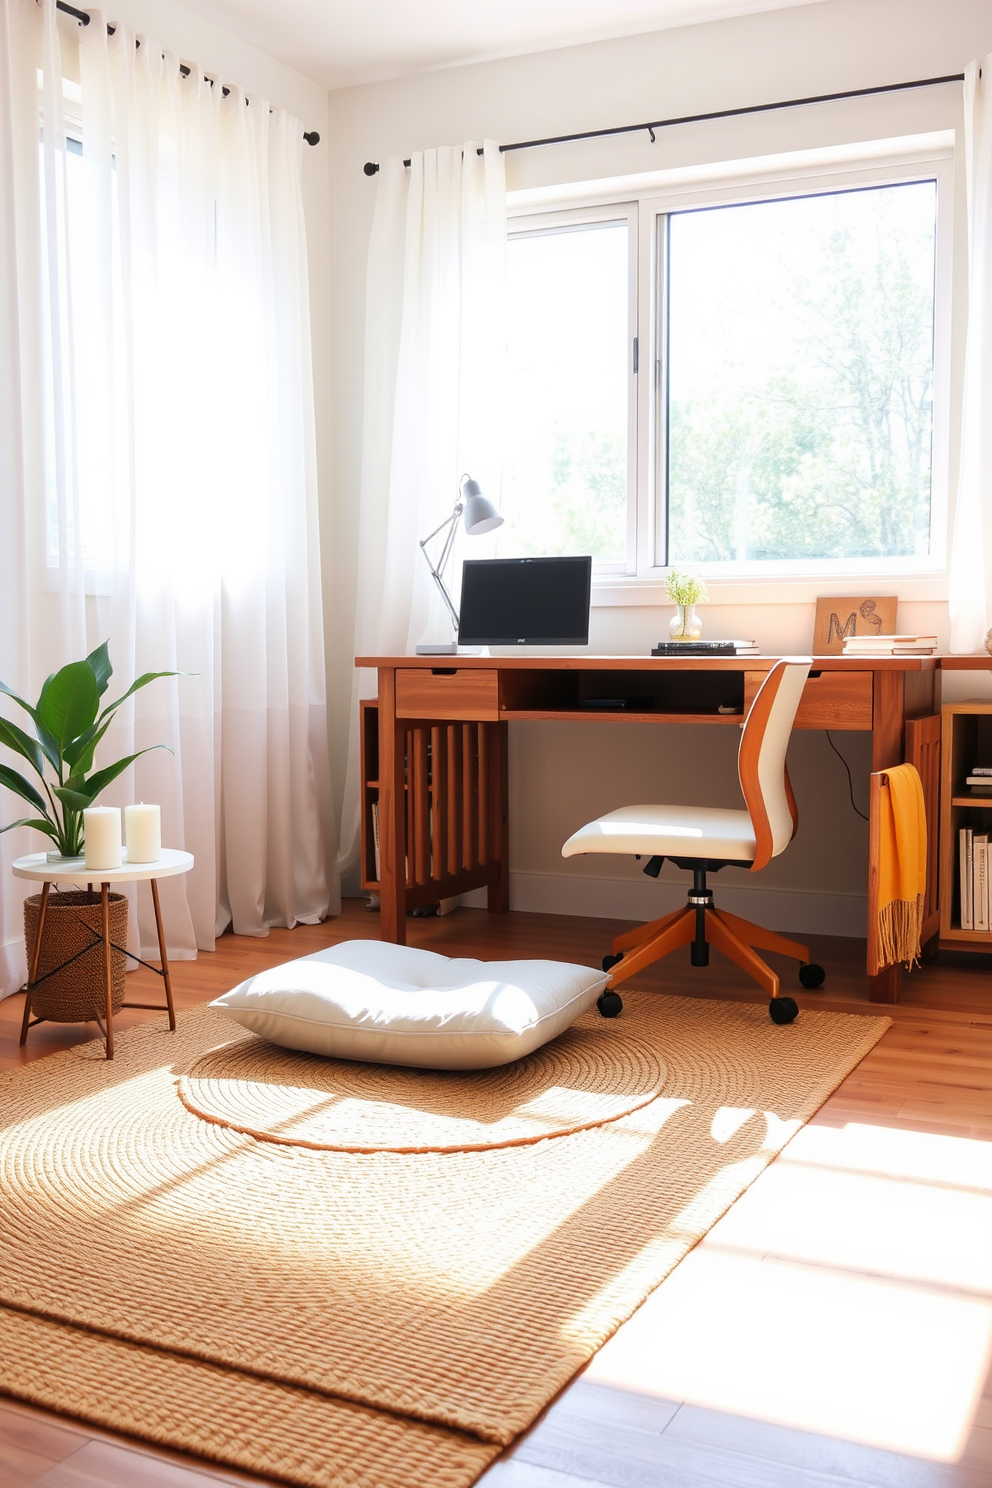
{"x":740,"y":380}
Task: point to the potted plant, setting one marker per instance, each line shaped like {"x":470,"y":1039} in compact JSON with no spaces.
{"x":685,"y":590}
{"x":68,"y":727}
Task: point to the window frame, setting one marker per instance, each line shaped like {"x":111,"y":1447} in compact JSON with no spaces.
{"x":738,"y":183}
{"x":545,"y":224}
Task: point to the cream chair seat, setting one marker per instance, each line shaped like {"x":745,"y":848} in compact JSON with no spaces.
{"x":704,"y":839}
{"x":668,"y":831}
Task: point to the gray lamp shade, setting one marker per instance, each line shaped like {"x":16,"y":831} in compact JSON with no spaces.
{"x":479,"y":514}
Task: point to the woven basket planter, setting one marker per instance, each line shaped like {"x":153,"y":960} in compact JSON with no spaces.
{"x":74,"y":921}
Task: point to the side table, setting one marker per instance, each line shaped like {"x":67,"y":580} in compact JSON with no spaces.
{"x":74,"y":871}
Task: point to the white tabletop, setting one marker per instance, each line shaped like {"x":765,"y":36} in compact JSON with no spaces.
{"x":74,"y":871}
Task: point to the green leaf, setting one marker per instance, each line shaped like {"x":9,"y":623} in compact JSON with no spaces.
{"x":39,"y":826}
{"x":99,"y":660}
{"x":69,"y":702}
{"x":49,"y":745}
{"x":23,"y":788}
{"x":142,"y":681}
{"x":79,"y":754}
{"x":21,"y":743}
{"x":79,"y":800}
{"x":18,"y":700}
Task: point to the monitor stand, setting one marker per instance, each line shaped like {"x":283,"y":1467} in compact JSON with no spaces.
{"x":450,"y":648}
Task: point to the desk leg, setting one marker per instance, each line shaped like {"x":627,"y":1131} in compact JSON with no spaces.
{"x":497,"y":786}
{"x":107,"y":968}
{"x":35,"y":954}
{"x":888,"y":730}
{"x":392,"y":814}
{"x":163,"y":955}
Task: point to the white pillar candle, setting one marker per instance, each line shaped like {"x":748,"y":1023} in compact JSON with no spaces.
{"x":143,"y":833}
{"x":102,"y":827}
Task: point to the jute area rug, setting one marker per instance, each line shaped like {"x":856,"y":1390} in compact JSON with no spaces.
{"x":267,"y":1298}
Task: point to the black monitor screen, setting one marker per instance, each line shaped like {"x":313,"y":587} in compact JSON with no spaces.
{"x":525,"y":602}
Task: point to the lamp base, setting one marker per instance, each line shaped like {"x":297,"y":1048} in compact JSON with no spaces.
{"x":442,"y":648}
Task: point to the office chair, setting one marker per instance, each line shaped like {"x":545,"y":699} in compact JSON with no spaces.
{"x":704,"y":839}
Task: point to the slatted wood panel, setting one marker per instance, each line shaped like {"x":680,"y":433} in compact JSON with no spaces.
{"x":454,"y":777}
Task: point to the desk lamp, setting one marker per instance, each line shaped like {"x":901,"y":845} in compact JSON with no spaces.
{"x":479,"y":516}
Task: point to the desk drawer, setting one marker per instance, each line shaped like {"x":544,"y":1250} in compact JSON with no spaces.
{"x":447,"y":692}
{"x":839,"y":700}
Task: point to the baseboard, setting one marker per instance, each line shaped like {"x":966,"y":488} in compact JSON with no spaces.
{"x":795,"y":910}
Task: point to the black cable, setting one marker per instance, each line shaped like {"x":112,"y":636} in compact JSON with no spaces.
{"x":850,"y":782}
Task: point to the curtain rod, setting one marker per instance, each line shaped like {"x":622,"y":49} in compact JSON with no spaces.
{"x":83,"y":17}
{"x":370,"y":167}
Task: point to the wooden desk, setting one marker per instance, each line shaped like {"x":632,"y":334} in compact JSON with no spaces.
{"x":434,"y":747}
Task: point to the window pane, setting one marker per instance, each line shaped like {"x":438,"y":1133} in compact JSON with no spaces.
{"x":800,"y":377}
{"x":565,"y":463}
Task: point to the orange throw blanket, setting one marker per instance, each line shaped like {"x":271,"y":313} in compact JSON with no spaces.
{"x":902,"y":867}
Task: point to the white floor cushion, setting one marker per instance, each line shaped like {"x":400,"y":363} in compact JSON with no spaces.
{"x":390,"y":1004}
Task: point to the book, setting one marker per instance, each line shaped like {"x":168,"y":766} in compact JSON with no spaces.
{"x":966,"y":882}
{"x":984,"y":782}
{"x":982,"y":770}
{"x":705,"y":648}
{"x":891,"y":645}
{"x":858,"y":643}
{"x":980,"y":876}
{"x":883,"y":650}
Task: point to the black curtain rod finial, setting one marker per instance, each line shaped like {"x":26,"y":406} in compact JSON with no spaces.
{"x":311,"y":137}
{"x":370,"y":168}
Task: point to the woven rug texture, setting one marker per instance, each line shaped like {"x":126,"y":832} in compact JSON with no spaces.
{"x":374,"y":1319}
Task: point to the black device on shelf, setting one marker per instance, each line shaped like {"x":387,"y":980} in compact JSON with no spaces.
{"x":525,"y":602}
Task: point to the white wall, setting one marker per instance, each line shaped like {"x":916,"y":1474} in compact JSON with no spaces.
{"x":561,"y":774}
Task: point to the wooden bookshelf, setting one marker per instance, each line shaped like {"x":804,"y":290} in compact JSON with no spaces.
{"x":966,"y":741}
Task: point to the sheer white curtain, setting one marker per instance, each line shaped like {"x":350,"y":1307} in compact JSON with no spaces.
{"x":434,"y":355}
{"x":970,"y":569}
{"x":159,"y":478}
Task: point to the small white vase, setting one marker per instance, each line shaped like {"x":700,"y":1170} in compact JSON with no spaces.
{"x":685,"y":624}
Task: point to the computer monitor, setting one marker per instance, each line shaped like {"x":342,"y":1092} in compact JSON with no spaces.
{"x":525,"y":602}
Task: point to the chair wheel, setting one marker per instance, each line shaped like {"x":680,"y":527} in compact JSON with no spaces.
{"x":610,"y":961}
{"x":610,"y":1004}
{"x":783,"y":1009}
{"x":812,"y":975}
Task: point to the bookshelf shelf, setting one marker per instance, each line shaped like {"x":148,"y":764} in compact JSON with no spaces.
{"x":966,"y":741}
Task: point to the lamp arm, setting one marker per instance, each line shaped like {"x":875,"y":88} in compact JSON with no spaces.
{"x":438,"y":569}
{"x":446,"y":597}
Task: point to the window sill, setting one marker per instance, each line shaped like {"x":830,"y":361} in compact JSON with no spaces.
{"x":613,"y":591}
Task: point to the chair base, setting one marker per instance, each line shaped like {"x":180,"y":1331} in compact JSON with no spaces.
{"x":699,"y":925}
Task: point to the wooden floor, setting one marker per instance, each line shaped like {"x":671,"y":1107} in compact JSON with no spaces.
{"x":834,"y":1328}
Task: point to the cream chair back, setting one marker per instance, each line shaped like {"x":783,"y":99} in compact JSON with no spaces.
{"x":761,"y":758}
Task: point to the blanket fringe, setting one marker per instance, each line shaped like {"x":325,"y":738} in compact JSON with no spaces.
{"x":900,"y":925}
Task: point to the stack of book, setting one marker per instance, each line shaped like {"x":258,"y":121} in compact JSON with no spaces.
{"x":980,"y":780}
{"x":973,"y":863}
{"x":706,"y":648}
{"x":890,"y":645}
